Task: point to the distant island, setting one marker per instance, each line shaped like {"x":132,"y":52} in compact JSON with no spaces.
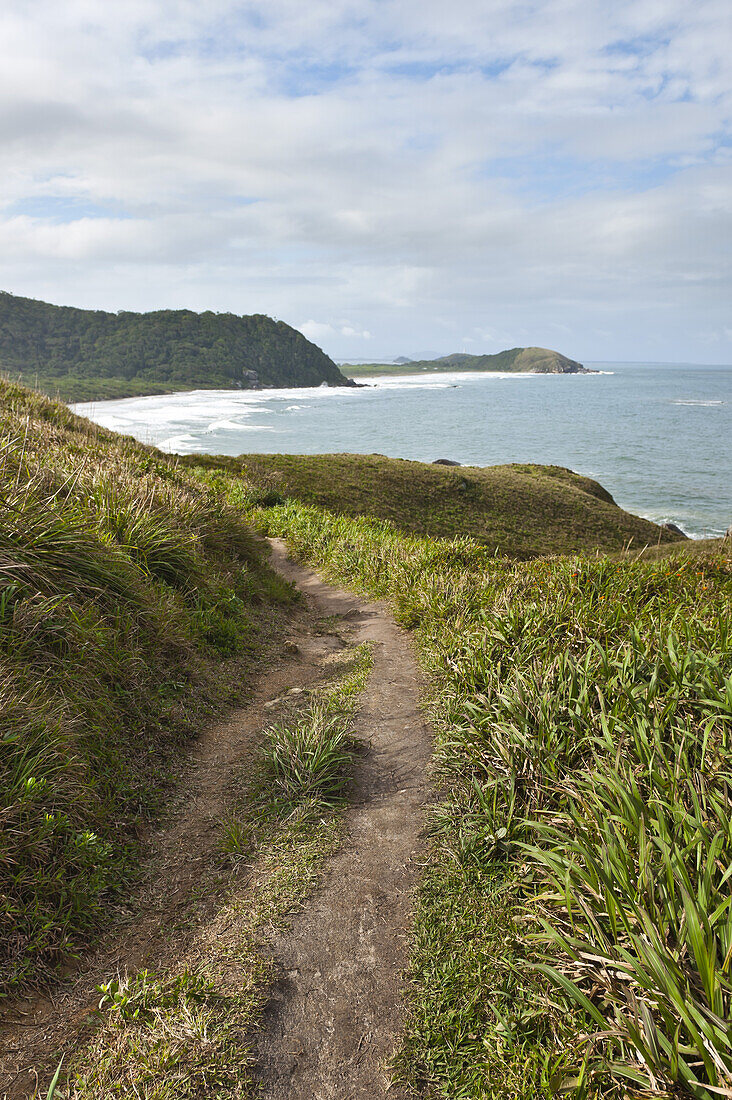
{"x":89,"y":355}
{"x":515,"y":361}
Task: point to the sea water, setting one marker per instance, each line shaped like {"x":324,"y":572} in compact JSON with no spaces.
{"x":657,"y":436}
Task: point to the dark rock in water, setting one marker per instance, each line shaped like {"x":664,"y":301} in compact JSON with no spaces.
{"x":445,"y":462}
{"x":674,"y":530}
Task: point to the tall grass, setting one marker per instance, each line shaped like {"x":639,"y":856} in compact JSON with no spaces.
{"x":584,"y":712}
{"x":123,"y":584}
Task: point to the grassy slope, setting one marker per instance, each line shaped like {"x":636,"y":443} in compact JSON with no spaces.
{"x":583,"y":707}
{"x":584,"y":715}
{"x":520,"y":511}
{"x":128,"y":600}
{"x":70,"y":389}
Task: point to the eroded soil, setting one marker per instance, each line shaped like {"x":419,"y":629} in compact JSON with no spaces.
{"x":335,"y":1014}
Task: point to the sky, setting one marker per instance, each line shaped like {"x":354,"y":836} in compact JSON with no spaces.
{"x":392,"y":177}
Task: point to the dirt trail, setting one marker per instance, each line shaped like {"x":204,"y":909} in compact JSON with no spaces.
{"x":335,"y":1013}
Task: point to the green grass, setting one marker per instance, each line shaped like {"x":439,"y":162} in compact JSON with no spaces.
{"x":309,"y":760}
{"x":125,"y":588}
{"x":573,"y":932}
{"x":517,"y":511}
{"x":71,"y":389}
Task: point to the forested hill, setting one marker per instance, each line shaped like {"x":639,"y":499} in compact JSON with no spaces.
{"x":81,"y":354}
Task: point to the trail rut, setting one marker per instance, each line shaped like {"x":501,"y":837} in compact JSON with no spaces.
{"x":335,"y":1012}
{"x":335,"y":1015}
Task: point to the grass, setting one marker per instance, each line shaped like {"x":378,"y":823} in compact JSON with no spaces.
{"x":518,"y":511}
{"x":70,"y":388}
{"x":308,"y":760}
{"x":187,"y":1033}
{"x":129,"y":601}
{"x":573,"y":933}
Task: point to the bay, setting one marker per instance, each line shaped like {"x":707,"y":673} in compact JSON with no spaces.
{"x":657,"y":436}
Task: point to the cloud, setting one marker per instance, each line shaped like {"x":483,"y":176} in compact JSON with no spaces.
{"x":554,"y":168}
{"x":318,"y":332}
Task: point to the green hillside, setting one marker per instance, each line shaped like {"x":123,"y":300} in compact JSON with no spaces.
{"x":516,"y":360}
{"x":521,"y":511}
{"x":81,"y":354}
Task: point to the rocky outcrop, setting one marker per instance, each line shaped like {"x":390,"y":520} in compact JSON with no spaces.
{"x":674,"y":530}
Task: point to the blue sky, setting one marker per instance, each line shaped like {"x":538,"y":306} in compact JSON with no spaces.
{"x":390,"y":176}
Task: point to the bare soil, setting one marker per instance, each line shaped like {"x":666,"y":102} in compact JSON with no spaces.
{"x":335,"y":1010}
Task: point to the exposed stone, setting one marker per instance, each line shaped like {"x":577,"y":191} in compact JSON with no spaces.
{"x":674,"y":530}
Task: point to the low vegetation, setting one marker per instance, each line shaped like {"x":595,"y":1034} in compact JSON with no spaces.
{"x":129,"y":599}
{"x":574,"y":932}
{"x":519,"y":511}
{"x":88,"y":355}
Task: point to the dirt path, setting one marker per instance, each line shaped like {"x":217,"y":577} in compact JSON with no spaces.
{"x":335,"y":1015}
{"x":336,"y":1011}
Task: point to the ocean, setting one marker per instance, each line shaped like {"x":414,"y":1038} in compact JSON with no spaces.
{"x":658,"y":436}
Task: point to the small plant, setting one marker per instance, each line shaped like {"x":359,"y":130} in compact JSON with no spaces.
{"x":308,"y":759}
{"x":236,"y":838}
{"x":54,"y":1081}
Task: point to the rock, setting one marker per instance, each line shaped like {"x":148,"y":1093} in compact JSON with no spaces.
{"x":291,"y":647}
{"x":674,"y":530}
{"x":445,"y":462}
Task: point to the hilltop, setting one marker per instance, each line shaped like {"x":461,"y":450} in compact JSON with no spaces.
{"x":515,"y":361}
{"x":88,"y":355}
{"x":522,"y":511}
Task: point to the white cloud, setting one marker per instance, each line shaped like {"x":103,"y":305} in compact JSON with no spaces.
{"x":319,"y":332}
{"x":551,"y":171}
